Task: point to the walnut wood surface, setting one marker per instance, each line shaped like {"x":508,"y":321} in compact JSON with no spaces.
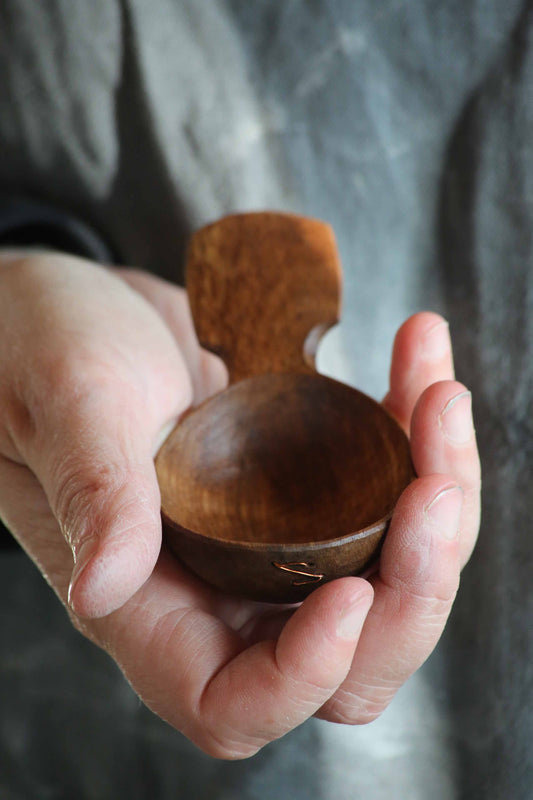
{"x":287,"y":479}
{"x":263,"y":288}
{"x":274,"y":573}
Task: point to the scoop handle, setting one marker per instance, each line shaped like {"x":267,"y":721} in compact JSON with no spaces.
{"x":263,"y":289}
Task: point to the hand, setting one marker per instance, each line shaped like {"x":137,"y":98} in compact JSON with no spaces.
{"x":88,"y":401}
{"x":91,"y":381}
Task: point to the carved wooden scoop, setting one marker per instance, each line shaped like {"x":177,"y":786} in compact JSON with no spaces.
{"x":286,"y":479}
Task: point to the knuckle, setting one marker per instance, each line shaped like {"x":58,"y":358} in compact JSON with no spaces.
{"x":75,"y":495}
{"x":68,"y":389}
{"x":302,"y":689}
{"x":422,"y":616}
{"x":79,"y":498}
{"x":79,"y":374}
{"x":356,"y":708}
{"x":430,"y":594}
{"x":226,"y":748}
{"x":427,"y":612}
{"x":436,"y":599}
{"x":424,"y":574}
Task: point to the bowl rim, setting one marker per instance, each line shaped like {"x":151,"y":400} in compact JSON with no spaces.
{"x":362,"y":533}
{"x":321,"y":544}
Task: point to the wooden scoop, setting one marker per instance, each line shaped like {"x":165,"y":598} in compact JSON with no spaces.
{"x":287,"y":479}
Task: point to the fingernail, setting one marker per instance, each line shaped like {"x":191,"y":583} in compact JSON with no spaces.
{"x":352,"y":618}
{"x":436,"y":341}
{"x":444,"y":511}
{"x":84,"y":555}
{"x":456,"y":419}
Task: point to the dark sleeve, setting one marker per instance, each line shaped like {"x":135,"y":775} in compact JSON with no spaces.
{"x":25,"y":223}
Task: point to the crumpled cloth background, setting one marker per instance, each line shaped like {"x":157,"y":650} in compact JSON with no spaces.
{"x":409,"y":127}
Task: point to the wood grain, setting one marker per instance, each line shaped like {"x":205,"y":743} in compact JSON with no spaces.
{"x":263,"y":289}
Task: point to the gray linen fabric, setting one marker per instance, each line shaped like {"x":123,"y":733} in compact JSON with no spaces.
{"x":409,"y":127}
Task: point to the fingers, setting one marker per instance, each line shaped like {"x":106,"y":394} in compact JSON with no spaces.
{"x":432,"y":533}
{"x":293,"y":676}
{"x":227,"y":699}
{"x":441,"y":429}
{"x":443,"y":441}
{"x":421,"y":356}
{"x":414,"y":592}
{"x":442,"y":434}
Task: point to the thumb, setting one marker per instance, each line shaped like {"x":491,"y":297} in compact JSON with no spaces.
{"x":112,"y":522}
{"x":89,"y":377}
{"x":93,"y":456}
